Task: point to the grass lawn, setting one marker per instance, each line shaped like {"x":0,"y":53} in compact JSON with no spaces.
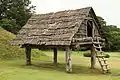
{"x":43,"y":69}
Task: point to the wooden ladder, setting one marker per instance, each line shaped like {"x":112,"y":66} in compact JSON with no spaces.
{"x":101,"y":56}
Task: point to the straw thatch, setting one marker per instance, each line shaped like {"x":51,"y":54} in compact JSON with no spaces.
{"x":58,"y":28}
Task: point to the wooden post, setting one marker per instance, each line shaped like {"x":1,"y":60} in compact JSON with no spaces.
{"x":68,"y":60}
{"x":55,"y":56}
{"x":28,"y":55}
{"x":93,"y":57}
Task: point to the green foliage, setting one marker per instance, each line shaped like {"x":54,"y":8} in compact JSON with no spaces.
{"x":15,"y":13}
{"x":107,"y":56}
{"x":83,"y":49}
{"x":114,"y":40}
{"x":112,"y":33}
{"x":89,"y":55}
{"x":9,"y":25}
{"x":101,"y":20}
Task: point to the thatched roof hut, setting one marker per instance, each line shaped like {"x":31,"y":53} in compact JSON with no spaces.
{"x":66,"y":29}
{"x":57,"y":29}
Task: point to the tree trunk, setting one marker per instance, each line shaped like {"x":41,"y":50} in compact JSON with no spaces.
{"x":55,"y":56}
{"x":93,"y":57}
{"x":68,"y":60}
{"x":28,"y":55}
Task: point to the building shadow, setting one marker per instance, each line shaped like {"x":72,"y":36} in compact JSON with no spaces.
{"x":77,"y":69}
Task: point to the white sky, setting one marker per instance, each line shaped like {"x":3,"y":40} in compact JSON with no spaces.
{"x":108,"y":9}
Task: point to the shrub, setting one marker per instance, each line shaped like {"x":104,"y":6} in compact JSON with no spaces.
{"x":83,"y":49}
{"x":89,"y":55}
{"x":107,"y":56}
{"x":9,"y":25}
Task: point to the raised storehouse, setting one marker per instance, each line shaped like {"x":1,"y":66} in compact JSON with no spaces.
{"x":68,"y":29}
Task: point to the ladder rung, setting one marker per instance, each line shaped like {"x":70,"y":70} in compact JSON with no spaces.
{"x":98,"y":47}
{"x":104,"y":64}
{"x":99,"y":51}
{"x":97,"y":42}
{"x":106,"y":69}
{"x":103,"y":60}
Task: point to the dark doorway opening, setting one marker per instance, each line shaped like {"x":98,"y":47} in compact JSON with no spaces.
{"x":89,"y":29}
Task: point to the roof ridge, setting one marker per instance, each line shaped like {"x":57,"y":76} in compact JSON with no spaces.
{"x":62,"y":11}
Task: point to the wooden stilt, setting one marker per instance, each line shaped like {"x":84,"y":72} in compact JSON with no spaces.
{"x":93,"y":58}
{"x":55,"y":56}
{"x":28,"y":55}
{"x":68,"y":60}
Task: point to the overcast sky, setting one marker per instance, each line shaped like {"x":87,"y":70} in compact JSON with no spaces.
{"x":108,"y":9}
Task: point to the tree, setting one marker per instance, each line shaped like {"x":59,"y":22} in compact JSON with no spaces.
{"x":114,"y":38}
{"x":101,"y":20}
{"x":112,"y":34}
{"x":17,"y":12}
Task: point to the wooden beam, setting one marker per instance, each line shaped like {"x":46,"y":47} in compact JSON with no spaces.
{"x":68,"y":60}
{"x":93,"y":29}
{"x":55,"y":56}
{"x":28,"y":55}
{"x":44,"y":46}
{"x":93,"y":58}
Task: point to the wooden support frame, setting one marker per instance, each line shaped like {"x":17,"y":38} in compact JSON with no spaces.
{"x":55,"y":56}
{"x":68,"y":60}
{"x":28,"y":55}
{"x":93,"y":58}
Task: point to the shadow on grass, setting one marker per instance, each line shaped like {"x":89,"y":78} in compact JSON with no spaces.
{"x":77,"y":69}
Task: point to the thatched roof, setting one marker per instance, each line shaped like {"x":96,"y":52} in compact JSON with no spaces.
{"x":52,"y":28}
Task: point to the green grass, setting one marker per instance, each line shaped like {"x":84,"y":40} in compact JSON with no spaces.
{"x":7,"y":51}
{"x":43,"y":69}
